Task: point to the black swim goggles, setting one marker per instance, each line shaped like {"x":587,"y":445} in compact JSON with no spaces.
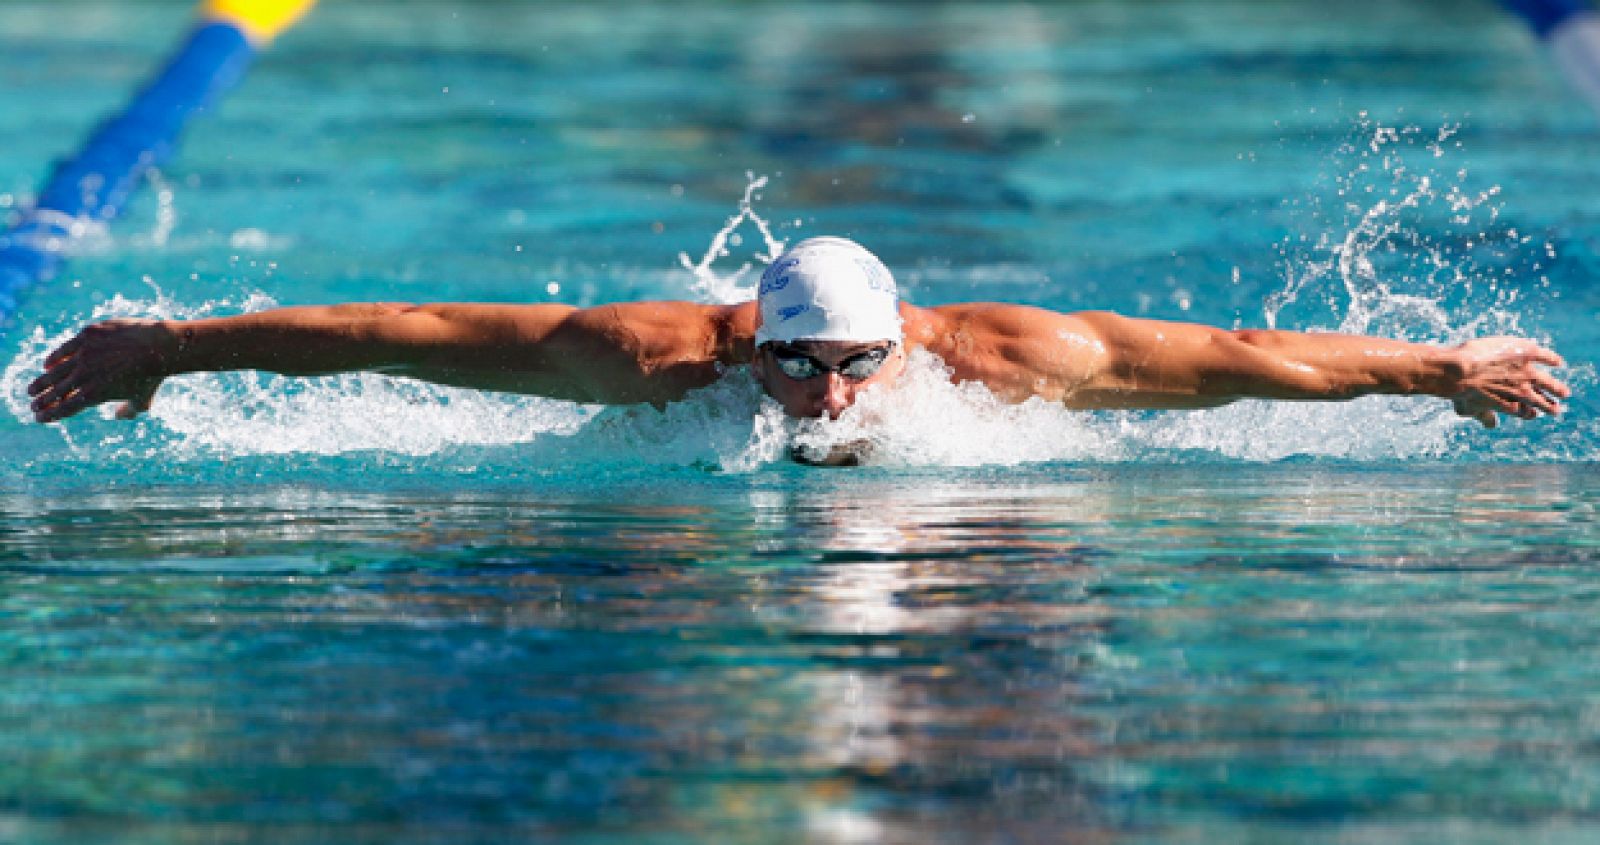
{"x":858,"y":367}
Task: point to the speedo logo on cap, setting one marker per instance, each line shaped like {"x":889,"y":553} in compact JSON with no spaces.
{"x":777,"y":276}
{"x":827,"y":289}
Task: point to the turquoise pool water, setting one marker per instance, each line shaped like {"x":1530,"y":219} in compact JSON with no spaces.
{"x":357,"y":609}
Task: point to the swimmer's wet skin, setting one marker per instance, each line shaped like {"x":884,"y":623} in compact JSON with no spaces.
{"x":827,"y":326}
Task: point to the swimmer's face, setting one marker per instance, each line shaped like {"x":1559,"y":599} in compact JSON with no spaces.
{"x":816,"y":378}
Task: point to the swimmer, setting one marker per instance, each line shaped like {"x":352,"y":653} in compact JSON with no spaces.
{"x":827,"y":326}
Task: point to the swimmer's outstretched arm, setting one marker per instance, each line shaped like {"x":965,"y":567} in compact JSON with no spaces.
{"x":1133,"y":363}
{"x":1102,"y":360}
{"x":613,"y":354}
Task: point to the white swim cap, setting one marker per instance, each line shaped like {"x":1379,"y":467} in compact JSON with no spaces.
{"x":828,"y":289}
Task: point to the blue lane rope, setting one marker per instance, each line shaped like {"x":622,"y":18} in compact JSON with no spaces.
{"x":1546,"y":16}
{"x":1570,"y":30}
{"x":94,"y":185}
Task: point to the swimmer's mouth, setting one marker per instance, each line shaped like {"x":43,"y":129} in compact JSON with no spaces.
{"x":852,"y":454}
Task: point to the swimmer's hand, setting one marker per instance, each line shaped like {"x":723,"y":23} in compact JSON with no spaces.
{"x":116,"y":360}
{"x":1498,"y":375}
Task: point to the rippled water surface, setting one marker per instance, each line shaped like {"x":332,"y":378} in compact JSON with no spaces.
{"x":1143,"y":654}
{"x":364,"y":610}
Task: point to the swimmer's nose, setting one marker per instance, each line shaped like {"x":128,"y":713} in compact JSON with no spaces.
{"x":837,"y":396}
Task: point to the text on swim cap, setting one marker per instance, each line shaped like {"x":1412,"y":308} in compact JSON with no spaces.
{"x":877,"y":278}
{"x":776,"y":277}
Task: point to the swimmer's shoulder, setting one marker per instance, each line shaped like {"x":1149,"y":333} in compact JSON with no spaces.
{"x":733,"y":331}
{"x":947,"y":328}
{"x":986,"y":321}
{"x":663,"y":331}
{"x":1003,"y":345}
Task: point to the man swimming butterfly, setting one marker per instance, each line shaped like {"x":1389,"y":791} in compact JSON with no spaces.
{"x":827,"y":325}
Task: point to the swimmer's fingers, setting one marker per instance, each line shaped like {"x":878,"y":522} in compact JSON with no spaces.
{"x":1503,"y":354}
{"x":119,"y":359}
{"x":1547,"y":357}
{"x":61,"y":380}
{"x":1535,"y":400}
{"x":65,"y":362}
{"x":72,"y":396}
{"x":1519,"y":351}
{"x":1524,"y":402}
{"x":64,"y":351}
{"x":1540,"y":389}
{"x":1519,"y":401}
{"x":49,"y":378}
{"x":51,"y":395}
{"x":1550,"y":385}
{"x":1534,"y":393}
{"x":113,"y":337}
{"x":1488,"y":398}
{"x":1505,"y":375}
{"x":68,"y":401}
{"x":1485,"y":405}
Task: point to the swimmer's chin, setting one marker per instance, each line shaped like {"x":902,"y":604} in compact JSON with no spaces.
{"x":852,"y":454}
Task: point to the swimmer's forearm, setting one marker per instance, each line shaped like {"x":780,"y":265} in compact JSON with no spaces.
{"x":481,"y":346}
{"x":1482,"y":378}
{"x":321,"y":340}
{"x":613,"y":354}
{"x":301,"y":341}
{"x":1153,"y":364}
{"x":1296,"y":365}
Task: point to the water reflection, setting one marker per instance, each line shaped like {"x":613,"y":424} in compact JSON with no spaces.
{"x":850,"y":654}
{"x":906,"y":592}
{"x":927,"y":118}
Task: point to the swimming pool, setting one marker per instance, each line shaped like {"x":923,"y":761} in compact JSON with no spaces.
{"x":356,"y":609}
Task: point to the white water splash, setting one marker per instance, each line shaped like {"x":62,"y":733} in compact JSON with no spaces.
{"x":166,"y":209}
{"x":1381,"y":266}
{"x":926,"y":420}
{"x":711,"y":286}
{"x":90,"y":236}
{"x":730,"y":425}
{"x":72,"y":236}
{"x":226,"y":415}
{"x":86,"y":236}
{"x":923,"y":420}
{"x":1408,"y":249}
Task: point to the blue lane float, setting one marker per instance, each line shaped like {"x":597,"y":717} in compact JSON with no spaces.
{"x":1571,"y":30}
{"x":91,"y":187}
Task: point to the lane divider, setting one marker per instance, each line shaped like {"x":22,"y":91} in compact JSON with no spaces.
{"x":90,"y":187}
{"x":1571,"y":28}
